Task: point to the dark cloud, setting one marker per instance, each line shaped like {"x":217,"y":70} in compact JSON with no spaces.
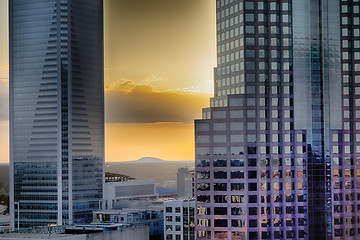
{"x":174,"y":39}
{"x":125,"y":83}
{"x":143,"y":105}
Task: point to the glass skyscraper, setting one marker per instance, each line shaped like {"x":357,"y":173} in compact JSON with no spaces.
{"x":278,"y":151}
{"x":56,"y":111}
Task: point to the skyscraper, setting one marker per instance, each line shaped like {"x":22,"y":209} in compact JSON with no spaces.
{"x":56,"y":111}
{"x":278,"y":151}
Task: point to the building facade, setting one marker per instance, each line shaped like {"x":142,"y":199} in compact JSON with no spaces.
{"x":185,"y":183}
{"x":179,"y":219}
{"x":277,"y":153}
{"x":153,"y":218}
{"x":56,"y":111}
{"x":117,"y":194}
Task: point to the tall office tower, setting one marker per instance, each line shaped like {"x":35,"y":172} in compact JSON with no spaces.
{"x":278,"y":151}
{"x":56,"y":111}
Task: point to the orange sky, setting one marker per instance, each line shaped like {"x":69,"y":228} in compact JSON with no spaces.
{"x":159,"y":59}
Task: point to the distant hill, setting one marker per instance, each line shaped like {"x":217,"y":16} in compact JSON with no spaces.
{"x":149,"y":160}
{"x":163,"y":172}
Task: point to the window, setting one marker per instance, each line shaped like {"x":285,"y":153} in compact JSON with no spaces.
{"x":252,"y":223}
{"x":220,"y":210}
{"x":236,"y":114}
{"x":237,"y":187}
{"x":203,"y":198}
{"x":252,"y":174}
{"x":203,"y":186}
{"x":202,"y":139}
{"x":252,"y":211}
{"x":237,"y":162}
{"x":237,"y":211}
{"x":237,"y":175}
{"x":203,"y":163}
{"x":220,"y":163}
{"x":237,"y":199}
{"x":249,"y":5}
{"x":219,"y":114}
{"x":219,"y":138}
{"x":234,"y":126}
{"x":249,"y":17}
{"x":220,"y":199}
{"x":220,"y":175}
{"x":252,"y":186}
{"x":219,"y":126}
{"x":252,"y":150}
{"x":220,"y":223}
{"x":220,"y":186}
{"x":238,"y":223}
{"x":253,"y":199}
{"x":239,"y":138}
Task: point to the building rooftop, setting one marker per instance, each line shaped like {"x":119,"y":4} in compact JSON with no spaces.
{"x":15,"y":235}
{"x":123,"y":211}
{"x":116,"y":177}
{"x":4,"y":220}
{"x":3,"y":208}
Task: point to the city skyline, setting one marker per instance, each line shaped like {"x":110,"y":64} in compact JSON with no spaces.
{"x":137,"y":67}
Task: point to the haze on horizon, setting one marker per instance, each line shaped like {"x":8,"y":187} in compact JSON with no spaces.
{"x":159,"y":59}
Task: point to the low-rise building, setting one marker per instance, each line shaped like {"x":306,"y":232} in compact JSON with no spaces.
{"x":116,"y":177}
{"x":134,"y":217}
{"x":4,"y":223}
{"x":82,"y":232}
{"x":115,"y":192}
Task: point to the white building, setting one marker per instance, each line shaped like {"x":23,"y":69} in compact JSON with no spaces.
{"x":120,"y":191}
{"x":82,"y":232}
{"x":179,"y":219}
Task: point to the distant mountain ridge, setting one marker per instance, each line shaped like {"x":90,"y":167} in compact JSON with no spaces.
{"x":149,"y":160}
{"x":145,"y":160}
{"x":162,"y":171}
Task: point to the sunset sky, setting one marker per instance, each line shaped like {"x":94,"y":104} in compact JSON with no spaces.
{"x":159,"y":59}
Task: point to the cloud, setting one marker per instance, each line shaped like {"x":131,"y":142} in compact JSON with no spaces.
{"x":144,"y":105}
{"x":124,"y":84}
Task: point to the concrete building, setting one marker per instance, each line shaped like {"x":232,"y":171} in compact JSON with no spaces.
{"x":277,"y":152}
{"x":82,"y":232}
{"x":56,"y":111}
{"x":134,"y":217}
{"x":179,"y":219}
{"x":4,"y":223}
{"x":185,"y":183}
{"x":116,"y":194}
